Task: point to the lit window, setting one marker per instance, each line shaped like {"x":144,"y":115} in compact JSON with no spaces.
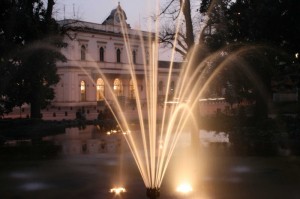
{"x":172,"y":87}
{"x":118,"y":87}
{"x":131,"y":90}
{"x":100,"y":89}
{"x":82,"y":91}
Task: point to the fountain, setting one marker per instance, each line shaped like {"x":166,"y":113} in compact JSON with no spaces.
{"x":153,"y":140}
{"x":152,"y":193}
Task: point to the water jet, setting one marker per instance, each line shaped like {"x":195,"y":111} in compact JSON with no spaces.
{"x":153,"y":193}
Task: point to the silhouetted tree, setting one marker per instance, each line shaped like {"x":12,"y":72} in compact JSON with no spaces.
{"x":248,"y":38}
{"x":29,"y":49}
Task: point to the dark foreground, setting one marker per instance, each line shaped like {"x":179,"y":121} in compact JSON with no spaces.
{"x":91,"y":176}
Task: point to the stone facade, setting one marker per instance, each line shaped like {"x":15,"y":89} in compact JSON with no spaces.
{"x":99,"y":59}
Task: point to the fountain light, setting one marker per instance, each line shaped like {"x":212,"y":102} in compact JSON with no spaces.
{"x":153,"y":193}
{"x":184,"y":188}
{"x":118,"y":190}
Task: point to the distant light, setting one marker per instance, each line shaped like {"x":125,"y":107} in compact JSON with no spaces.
{"x":184,"y":188}
{"x":126,"y":132}
{"x":212,"y":99}
{"x":297,"y":55}
{"x":117,"y":190}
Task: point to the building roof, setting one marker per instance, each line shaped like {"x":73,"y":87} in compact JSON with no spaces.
{"x":166,"y":64}
{"x":116,"y":16}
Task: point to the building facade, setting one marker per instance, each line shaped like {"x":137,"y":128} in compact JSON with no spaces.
{"x":99,"y":58}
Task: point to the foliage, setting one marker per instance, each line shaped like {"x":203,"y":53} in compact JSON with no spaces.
{"x":249,"y":136}
{"x":29,"y":49}
{"x":257,"y":22}
{"x":257,"y":137}
{"x":247,"y":39}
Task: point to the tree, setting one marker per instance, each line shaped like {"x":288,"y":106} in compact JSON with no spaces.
{"x":29,"y":49}
{"x":181,"y":32}
{"x":249,"y":40}
{"x":185,"y":37}
{"x":263,"y":30}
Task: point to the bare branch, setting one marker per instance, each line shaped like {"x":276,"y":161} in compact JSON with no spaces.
{"x":166,"y":8}
{"x":182,"y":45}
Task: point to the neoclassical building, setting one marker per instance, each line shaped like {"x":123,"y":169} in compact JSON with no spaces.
{"x":98,"y":58}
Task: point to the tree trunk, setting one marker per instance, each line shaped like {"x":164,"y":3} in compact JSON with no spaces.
{"x":35,"y":106}
{"x":49,"y":10}
{"x":186,"y":9}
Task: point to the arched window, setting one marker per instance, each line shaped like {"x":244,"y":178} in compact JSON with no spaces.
{"x":134,"y":57}
{"x":160,"y":86}
{"x":131,"y":90}
{"x":82,"y":91}
{"x":118,"y":55}
{"x":100,"y":89}
{"x":101,"y":54}
{"x":83,"y":52}
{"x":118,"y":89}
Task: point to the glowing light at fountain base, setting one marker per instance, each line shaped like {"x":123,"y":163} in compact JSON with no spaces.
{"x":153,"y":193}
{"x":117,"y":190}
{"x":184,"y":188}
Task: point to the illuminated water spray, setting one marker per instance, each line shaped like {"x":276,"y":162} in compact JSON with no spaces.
{"x":152,"y":142}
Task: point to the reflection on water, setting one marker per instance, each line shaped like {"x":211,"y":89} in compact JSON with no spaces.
{"x":91,"y":140}
{"x":93,"y":162}
{"x":34,"y":186}
{"x":21,"y":175}
{"x":88,"y":140}
{"x":241,"y":169}
{"x":207,"y":137}
{"x":94,"y":140}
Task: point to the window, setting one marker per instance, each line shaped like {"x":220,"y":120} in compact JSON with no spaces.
{"x":100,"y":89}
{"x":131,"y":90}
{"x":101,"y":54}
{"x":118,"y":55}
{"x":118,"y":87}
{"x":134,"y":57}
{"x":147,"y":58}
{"x":172,"y":87}
{"x":160,"y":86}
{"x":83,"y":52}
{"x":82,"y":91}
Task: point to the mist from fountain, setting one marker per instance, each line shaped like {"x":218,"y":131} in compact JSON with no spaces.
{"x":152,"y":143}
